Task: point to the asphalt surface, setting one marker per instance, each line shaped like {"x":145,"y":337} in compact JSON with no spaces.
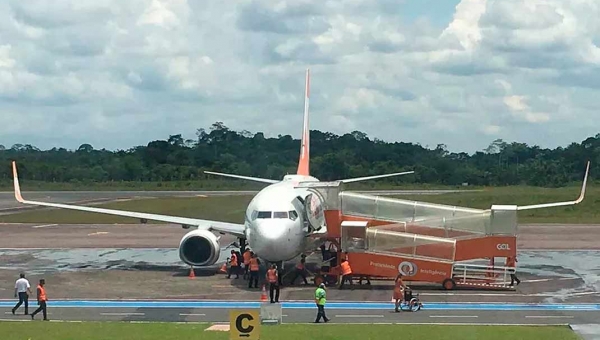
{"x":31,"y":235}
{"x":304,"y":312}
{"x":8,"y":202}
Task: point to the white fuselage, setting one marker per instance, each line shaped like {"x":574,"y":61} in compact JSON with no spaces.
{"x":274,"y":222}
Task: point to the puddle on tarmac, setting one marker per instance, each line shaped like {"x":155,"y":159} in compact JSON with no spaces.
{"x":54,"y":260}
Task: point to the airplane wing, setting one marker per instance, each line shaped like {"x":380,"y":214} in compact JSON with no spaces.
{"x":222,"y":227}
{"x":358,"y":179}
{"x":256,"y":179}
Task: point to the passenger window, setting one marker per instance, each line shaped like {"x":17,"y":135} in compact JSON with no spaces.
{"x":264,"y":214}
{"x":280,"y":214}
{"x":293,"y":215}
{"x":254,"y":215}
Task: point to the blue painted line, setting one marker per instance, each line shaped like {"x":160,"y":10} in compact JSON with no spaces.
{"x":311,"y":305}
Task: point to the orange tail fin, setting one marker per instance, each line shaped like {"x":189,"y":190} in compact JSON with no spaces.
{"x":303,"y":164}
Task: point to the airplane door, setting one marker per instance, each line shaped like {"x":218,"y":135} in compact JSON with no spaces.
{"x":313,"y":208}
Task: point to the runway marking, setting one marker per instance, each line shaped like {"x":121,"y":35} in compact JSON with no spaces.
{"x":121,"y":314}
{"x":44,"y":225}
{"x":359,"y":316}
{"x":98,"y":233}
{"x":549,"y":316}
{"x":191,"y":314}
{"x":453,"y":316}
{"x":568,"y":278}
{"x":537,"y":280}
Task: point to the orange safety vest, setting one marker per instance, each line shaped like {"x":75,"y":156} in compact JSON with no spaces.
{"x":254,"y":265}
{"x":300,"y":265}
{"x":510,"y":262}
{"x":41,"y":293}
{"x":234,"y":261}
{"x":247,"y":257}
{"x":346,"y":270}
{"x":272,"y":275}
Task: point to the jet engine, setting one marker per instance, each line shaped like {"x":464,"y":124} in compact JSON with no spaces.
{"x":199,"y":248}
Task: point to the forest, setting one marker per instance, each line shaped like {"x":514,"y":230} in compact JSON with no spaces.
{"x":354,"y":154}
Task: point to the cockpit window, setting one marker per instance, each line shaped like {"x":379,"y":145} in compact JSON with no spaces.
{"x":293,"y":215}
{"x":264,"y":214}
{"x":280,"y":214}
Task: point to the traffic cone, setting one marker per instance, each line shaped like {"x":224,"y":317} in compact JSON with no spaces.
{"x":223,"y":269}
{"x":263,"y":295}
{"x":192,"y":274}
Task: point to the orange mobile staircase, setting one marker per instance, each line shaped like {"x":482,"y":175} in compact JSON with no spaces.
{"x":432,"y":243}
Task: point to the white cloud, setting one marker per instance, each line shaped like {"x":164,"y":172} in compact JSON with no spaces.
{"x":120,"y":73}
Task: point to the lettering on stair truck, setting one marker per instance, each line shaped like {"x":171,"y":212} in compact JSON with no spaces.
{"x":502,"y":246}
{"x":409,"y":269}
{"x":244,"y":324}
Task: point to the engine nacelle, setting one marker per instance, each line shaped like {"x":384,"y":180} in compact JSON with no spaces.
{"x":199,"y":248}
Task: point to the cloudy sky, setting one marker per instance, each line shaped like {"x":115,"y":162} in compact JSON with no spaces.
{"x":121,"y":73}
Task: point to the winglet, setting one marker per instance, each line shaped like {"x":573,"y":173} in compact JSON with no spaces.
{"x":558,"y":204}
{"x":16,"y":182}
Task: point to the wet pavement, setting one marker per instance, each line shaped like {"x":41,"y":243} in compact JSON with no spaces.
{"x":547,"y":276}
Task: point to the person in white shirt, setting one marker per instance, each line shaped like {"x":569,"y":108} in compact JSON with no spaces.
{"x":22,"y":289}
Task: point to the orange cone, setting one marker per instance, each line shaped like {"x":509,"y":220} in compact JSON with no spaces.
{"x":263,"y":295}
{"x":223,"y":269}
{"x":192,"y":274}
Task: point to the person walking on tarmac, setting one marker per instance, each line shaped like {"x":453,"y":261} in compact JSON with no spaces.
{"x":233,"y":265}
{"x":300,"y":270}
{"x":254,"y":267}
{"x":22,"y":290}
{"x":346,"y":273}
{"x":273,"y":279}
{"x":511,"y":262}
{"x":247,"y":256}
{"x":399,"y":286}
{"x":42,"y":299}
{"x":320,"y":299}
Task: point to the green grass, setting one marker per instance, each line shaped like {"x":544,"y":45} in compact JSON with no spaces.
{"x":171,"y":331}
{"x":232,"y":208}
{"x":208,"y":184}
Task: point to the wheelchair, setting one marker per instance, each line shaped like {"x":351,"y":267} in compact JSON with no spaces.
{"x":410,"y":303}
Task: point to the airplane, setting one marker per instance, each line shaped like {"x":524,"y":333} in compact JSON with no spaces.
{"x":277,"y":224}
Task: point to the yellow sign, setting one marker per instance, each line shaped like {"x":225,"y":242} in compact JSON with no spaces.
{"x":244,"y":324}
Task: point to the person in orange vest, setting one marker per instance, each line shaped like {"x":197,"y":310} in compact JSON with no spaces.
{"x":273,"y":279}
{"x":42,"y":299}
{"x":511,"y":262}
{"x":233,"y":266}
{"x":346,"y":273}
{"x":399,"y":287}
{"x":300,"y":270}
{"x":254,"y":267}
{"x":247,"y":256}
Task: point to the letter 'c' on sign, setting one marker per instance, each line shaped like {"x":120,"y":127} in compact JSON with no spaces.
{"x":244,"y":324}
{"x":239,"y":325}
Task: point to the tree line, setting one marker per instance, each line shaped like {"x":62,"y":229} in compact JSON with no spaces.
{"x":332,"y":157}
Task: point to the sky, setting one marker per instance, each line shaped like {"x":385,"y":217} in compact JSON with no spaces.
{"x":117,"y":74}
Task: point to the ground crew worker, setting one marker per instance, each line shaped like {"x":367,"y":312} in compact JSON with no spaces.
{"x":320,"y":299}
{"x":511,"y":263}
{"x":247,"y":256}
{"x":233,"y":266}
{"x":273,"y":279}
{"x":42,"y":299}
{"x":254,"y":267}
{"x":300,"y":270}
{"x":346,"y":273}
{"x":399,"y":286}
{"x":22,"y":290}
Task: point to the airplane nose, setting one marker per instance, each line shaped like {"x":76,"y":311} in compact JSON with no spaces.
{"x":270,"y":231}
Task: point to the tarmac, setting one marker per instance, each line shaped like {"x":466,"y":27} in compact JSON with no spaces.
{"x":140,"y":263}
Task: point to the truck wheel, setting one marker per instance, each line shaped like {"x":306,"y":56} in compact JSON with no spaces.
{"x":449,"y":284}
